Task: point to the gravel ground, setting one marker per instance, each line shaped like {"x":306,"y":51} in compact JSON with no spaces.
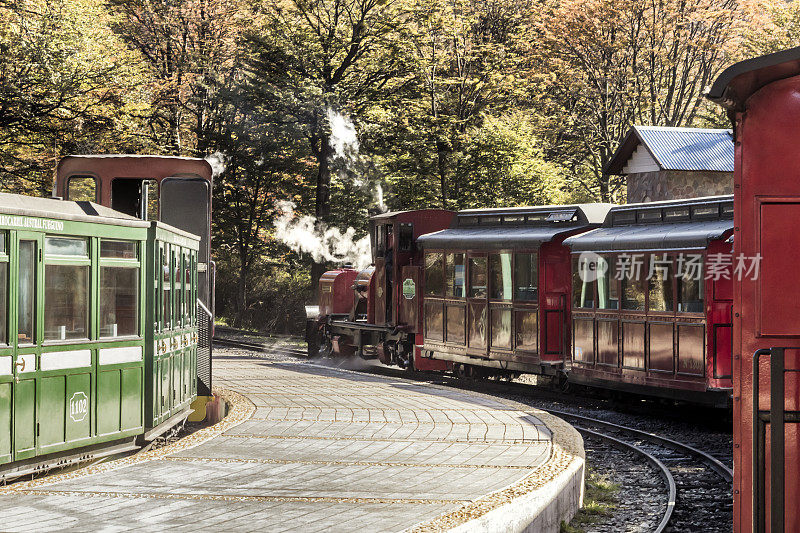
{"x":641,"y":499}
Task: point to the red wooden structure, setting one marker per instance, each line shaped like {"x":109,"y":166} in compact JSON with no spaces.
{"x":762,"y":98}
{"x":654,"y":316}
{"x":497,"y":288}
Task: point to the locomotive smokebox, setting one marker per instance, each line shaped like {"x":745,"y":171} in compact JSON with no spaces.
{"x":335,"y":291}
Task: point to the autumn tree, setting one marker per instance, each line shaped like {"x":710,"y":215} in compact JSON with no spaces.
{"x":467,"y":56}
{"x":614,"y":63}
{"x":318,"y":58}
{"x":778,"y":29}
{"x":188,"y":47}
{"x":260,"y":167}
{"x":58,"y":89}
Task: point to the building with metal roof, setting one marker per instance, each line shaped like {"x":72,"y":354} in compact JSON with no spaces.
{"x":664,"y":163}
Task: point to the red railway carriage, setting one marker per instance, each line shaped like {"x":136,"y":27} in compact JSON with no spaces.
{"x":651,"y":300}
{"x":497,"y":288}
{"x":762,"y":97}
{"x":377,"y":312}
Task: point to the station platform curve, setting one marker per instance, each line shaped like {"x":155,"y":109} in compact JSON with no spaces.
{"x":307,"y":447}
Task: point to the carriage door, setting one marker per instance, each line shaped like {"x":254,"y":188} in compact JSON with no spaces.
{"x":24,"y":323}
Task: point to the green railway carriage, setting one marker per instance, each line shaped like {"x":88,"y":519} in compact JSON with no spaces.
{"x":172,"y":341}
{"x":98,"y":331}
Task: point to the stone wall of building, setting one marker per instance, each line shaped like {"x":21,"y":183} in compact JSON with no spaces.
{"x":676,"y":184}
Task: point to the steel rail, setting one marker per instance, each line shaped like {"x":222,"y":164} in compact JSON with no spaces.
{"x":260,"y":347}
{"x":666,"y":475}
{"x":712,"y":462}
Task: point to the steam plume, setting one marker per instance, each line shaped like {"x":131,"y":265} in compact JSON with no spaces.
{"x":217,"y":162}
{"x":343,"y":139}
{"x":304,"y":235}
{"x":347,"y":159}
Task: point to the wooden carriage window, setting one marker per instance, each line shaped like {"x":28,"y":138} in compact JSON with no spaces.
{"x":632,"y":289}
{"x":26,"y":291}
{"x":477,"y":324}
{"x":177,"y":285}
{"x":119,"y":300}
{"x":434,"y":274}
{"x":434,"y":320}
{"x":526,"y":277}
{"x":65,"y":246}
{"x":119,"y":288}
{"x":110,"y":249}
{"x":166,"y":292}
{"x":380,"y":239}
{"x":607,"y":288}
{"x":691,"y":288}
{"x":527,"y":328}
{"x":477,"y":277}
{"x":660,"y":283}
{"x":501,"y":328}
{"x":500,"y":276}
{"x":454,"y":275}
{"x":187,"y":290}
{"x":66,"y":287}
{"x":406,"y":237}
{"x":456,"y":317}
{"x":582,"y":285}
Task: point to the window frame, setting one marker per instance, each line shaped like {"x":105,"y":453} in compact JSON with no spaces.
{"x":121,"y":262}
{"x":97,"y":185}
{"x":536,"y":255}
{"x":672,"y":265}
{"x":164,"y":258}
{"x":489,"y":278}
{"x":573,"y":270}
{"x":447,"y":284}
{"x":68,"y":260}
{"x":470,"y":255}
{"x":426,"y":292}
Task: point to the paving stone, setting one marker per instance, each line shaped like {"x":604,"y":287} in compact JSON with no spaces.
{"x":324,"y":450}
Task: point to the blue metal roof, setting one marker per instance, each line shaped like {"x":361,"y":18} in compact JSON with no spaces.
{"x":678,"y":148}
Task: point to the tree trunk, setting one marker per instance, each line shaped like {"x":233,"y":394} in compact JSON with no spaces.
{"x":441,"y":163}
{"x":322,"y":208}
{"x":605,"y":195}
{"x":174,"y":135}
{"x":241,"y":295}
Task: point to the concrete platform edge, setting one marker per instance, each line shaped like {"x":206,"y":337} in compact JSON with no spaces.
{"x":537,"y":503}
{"x":538,"y":511}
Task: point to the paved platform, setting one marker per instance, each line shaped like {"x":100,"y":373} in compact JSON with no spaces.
{"x":310,"y":448}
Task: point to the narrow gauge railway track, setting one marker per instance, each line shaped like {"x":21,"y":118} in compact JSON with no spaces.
{"x":295,"y":352}
{"x":695,"y":482}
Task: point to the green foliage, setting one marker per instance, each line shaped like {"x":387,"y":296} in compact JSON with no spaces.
{"x":599,"y":500}
{"x":278,"y":292}
{"x":58,"y":89}
{"x":506,"y":153}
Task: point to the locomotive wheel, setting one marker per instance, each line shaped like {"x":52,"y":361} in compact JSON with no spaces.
{"x":312,"y":338}
{"x":410,"y":364}
{"x":324,"y":346}
{"x":459,"y":371}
